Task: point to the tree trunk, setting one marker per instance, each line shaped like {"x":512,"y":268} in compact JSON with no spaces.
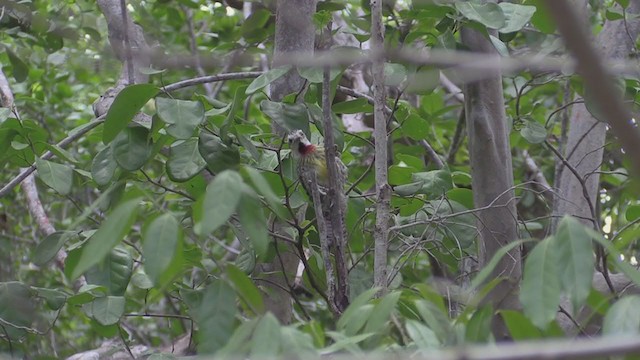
{"x":295,"y":33}
{"x":586,"y":138}
{"x":492,"y":179}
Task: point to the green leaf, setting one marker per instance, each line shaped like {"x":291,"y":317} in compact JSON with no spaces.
{"x":534,"y":132}
{"x":238,"y":100}
{"x":487,"y":270}
{"x":131,"y":148}
{"x":104,"y":166}
{"x":499,"y":45}
{"x":55,"y":299}
{"x":114,"y":272}
{"x":267,"y":78}
{"x":185,"y":160}
{"x":519,"y":326}
{"x":436,"y":182}
{"x":424,"y":337}
{"x":254,"y":224}
{"x":245,"y":288}
{"x":542,"y":19}
{"x":215,"y":316}
{"x":623,"y":3}
{"x":160,"y":242}
{"x":394,"y":74}
{"x":622,"y":266}
{"x":479,"y":326}
{"x":110,"y":233}
{"x":415,"y":127}
{"x":17,"y":308}
{"x":289,"y":116}
{"x":488,"y":14}
{"x":141,"y":281}
{"x":49,"y":247}
{"x":218,"y":155}
{"x":352,"y":309}
{"x":263,"y":188}
{"x":108,"y":310}
{"x":220,"y":201}
{"x":517,"y":16}
{"x":20,"y":69}
{"x":57,"y":176}
{"x":623,"y":318}
{"x":408,"y":189}
{"x":316,"y":74}
{"x":540,"y":291}
{"x":382,"y":312}
{"x":632,"y":213}
{"x":125,"y":106}
{"x":360,"y":105}
{"x":181,"y":116}
{"x":574,"y":247}
{"x":267,"y":337}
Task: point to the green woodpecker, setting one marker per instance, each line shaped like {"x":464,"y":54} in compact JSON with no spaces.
{"x":311,"y":159}
{"x":312,"y":163}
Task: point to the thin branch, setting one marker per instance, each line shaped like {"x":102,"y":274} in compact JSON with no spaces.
{"x":383,"y":190}
{"x":48,"y":155}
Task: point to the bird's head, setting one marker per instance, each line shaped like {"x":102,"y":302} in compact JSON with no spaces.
{"x":299,"y":144}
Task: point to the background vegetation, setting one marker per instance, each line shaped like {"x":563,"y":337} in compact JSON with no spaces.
{"x":165,"y":216}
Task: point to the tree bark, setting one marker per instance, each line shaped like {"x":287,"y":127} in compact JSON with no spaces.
{"x":492,"y":179}
{"x":383,"y":191}
{"x":586,"y":138}
{"x":295,"y":33}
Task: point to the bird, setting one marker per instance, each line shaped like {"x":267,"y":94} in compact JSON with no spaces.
{"x":312,"y":164}
{"x":311,"y":159}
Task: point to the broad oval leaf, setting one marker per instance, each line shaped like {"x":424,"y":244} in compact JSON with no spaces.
{"x":516,"y":16}
{"x":245,"y":288}
{"x":421,"y":335}
{"x":220,"y":201}
{"x":215,"y":316}
{"x":289,"y":116}
{"x":49,"y":247}
{"x":540,"y":290}
{"x":108,"y":310}
{"x":267,"y":337}
{"x":519,"y":326}
{"x":17,"y":308}
{"x":623,"y":318}
{"x":488,"y":14}
{"x":577,"y":266}
{"x":254,"y":223}
{"x":125,"y":106}
{"x":218,"y":155}
{"x":267,"y":78}
{"x":185,"y":161}
{"x":160,"y":241}
{"x":57,"y":176}
{"x":181,"y":116}
{"x":131,"y":148}
{"x":534,"y":132}
{"x":104,"y":166}
{"x":316,"y":74}
{"x":394,"y":74}
{"x":114,"y":272}
{"x":109,"y":234}
{"x":352,"y":107}
{"x":436,"y":182}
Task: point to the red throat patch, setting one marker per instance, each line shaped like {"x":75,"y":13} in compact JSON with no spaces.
{"x":306,"y":149}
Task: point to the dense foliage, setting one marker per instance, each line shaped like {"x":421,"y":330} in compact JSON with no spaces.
{"x":165,"y":222}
